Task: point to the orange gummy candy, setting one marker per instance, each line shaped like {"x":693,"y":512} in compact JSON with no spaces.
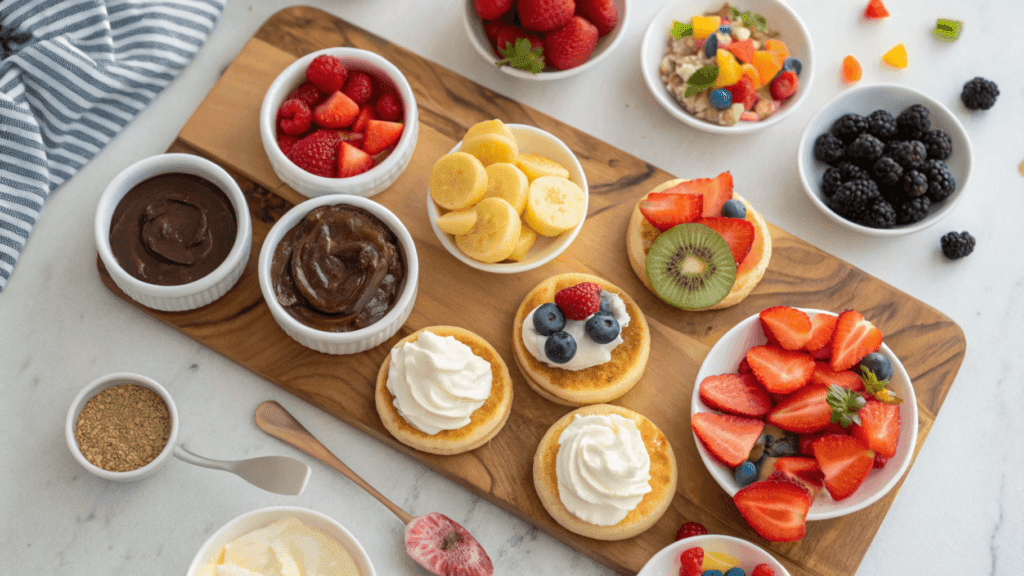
{"x":851,"y":71}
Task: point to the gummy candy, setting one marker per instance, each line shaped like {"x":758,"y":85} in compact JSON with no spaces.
{"x":897,"y":56}
{"x":947,"y":30}
{"x":851,"y":72}
{"x":876,"y":10}
{"x":704,"y":26}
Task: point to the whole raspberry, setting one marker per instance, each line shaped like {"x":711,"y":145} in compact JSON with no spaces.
{"x":690,"y":561}
{"x":580,"y":301}
{"x":327,"y":73}
{"x":294,"y":117}
{"x":359,"y":87}
{"x":308,"y":93}
{"x":763,"y":570}
{"x":690,"y":529}
{"x":388,"y":107}
{"x":317,"y":153}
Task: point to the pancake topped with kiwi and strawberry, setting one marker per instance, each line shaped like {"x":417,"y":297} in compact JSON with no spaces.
{"x":697,"y":244}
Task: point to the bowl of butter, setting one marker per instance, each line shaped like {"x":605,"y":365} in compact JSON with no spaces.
{"x":281,"y":540}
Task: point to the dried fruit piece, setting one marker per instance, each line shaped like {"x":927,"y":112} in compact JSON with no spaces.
{"x":851,"y":72}
{"x":897,"y":56}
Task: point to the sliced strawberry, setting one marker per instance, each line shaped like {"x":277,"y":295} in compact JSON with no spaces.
{"x":763,"y":570}
{"x":729,"y":438}
{"x":853,"y":339}
{"x":444,"y":547}
{"x":775,"y":510}
{"x":352,"y":161}
{"x":338,"y":111}
{"x":824,"y":374}
{"x":738,"y":394}
{"x":879,"y":427}
{"x":744,"y":367}
{"x":366,"y":113}
{"x":804,"y":411}
{"x":845,"y":461}
{"x":779,"y":370}
{"x":804,"y":469}
{"x":876,"y":10}
{"x":806,"y":441}
{"x":353,"y":138}
{"x":716,"y":192}
{"x":823,"y":353}
{"x":790,"y":327}
{"x":738,"y":233}
{"x":665,"y":210}
{"x":822,"y":327}
{"x":381,"y":135}
{"x":743,"y":92}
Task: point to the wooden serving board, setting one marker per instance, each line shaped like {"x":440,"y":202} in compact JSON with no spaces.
{"x":239,"y":325}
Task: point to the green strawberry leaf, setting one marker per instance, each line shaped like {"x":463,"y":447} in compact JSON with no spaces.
{"x":878,"y":388}
{"x":522,"y":56}
{"x":845,"y":405}
{"x":680,"y":30}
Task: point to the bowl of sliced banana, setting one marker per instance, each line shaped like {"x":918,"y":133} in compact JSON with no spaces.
{"x":507,"y":198}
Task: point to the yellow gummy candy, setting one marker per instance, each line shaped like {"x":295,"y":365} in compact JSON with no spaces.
{"x":897,"y":56}
{"x":719,"y":561}
{"x":729,"y":70}
{"x":704,"y":26}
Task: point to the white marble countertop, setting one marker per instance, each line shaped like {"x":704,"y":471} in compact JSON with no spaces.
{"x":959,"y":510}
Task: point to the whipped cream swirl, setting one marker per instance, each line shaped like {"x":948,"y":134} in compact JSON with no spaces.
{"x":603,"y":468}
{"x":438,"y":382}
{"x":588,"y":352}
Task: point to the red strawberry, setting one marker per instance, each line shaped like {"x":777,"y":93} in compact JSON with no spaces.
{"x":729,"y":438}
{"x":853,"y":339}
{"x":491,"y":9}
{"x":846,"y":462}
{"x":738,"y":233}
{"x":366,"y":113}
{"x":690,"y":529}
{"x":876,"y":10}
{"x":804,"y":411}
{"x":445,"y":548}
{"x":381,"y":135}
{"x":807,"y":441}
{"x":784,"y":85}
{"x":308,"y":93}
{"x":338,"y":111}
{"x":763,"y":570}
{"x":822,"y":353}
{"x":354,"y":138}
{"x":804,"y":469}
{"x":545,"y":15}
{"x":824,"y":374}
{"x":779,"y":370}
{"x":690,"y":561}
{"x":602,"y":13}
{"x":775,"y":510}
{"x":716,"y":191}
{"x":790,"y":327}
{"x":880,"y":462}
{"x":352,"y":161}
{"x":738,"y":394}
{"x":664,"y":210}
{"x":742,"y":49}
{"x":507,"y":36}
{"x":743,"y":92}
{"x":327,"y":73}
{"x":491,"y":30}
{"x":744,"y":367}
{"x":879,"y":427}
{"x":359,"y":87}
{"x":286,"y":142}
{"x":571,"y":45}
{"x":580,"y":301}
{"x":822,"y":327}
{"x":294,"y":117}
{"x":388,"y":107}
{"x":317,"y":153}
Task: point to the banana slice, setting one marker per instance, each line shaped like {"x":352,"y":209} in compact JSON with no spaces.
{"x":554,"y":205}
{"x":491,"y":148}
{"x":535,"y":166}
{"x":489,"y":127}
{"x":458,"y":222}
{"x":506,"y":181}
{"x":458,"y":180}
{"x":495,"y":234}
{"x":526,"y":239}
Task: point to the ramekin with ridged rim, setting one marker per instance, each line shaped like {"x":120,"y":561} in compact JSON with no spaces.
{"x":341,"y":342}
{"x":183,"y":296}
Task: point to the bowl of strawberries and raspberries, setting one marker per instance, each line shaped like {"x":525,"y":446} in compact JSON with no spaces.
{"x":803,"y":414}
{"x":339,"y":121}
{"x":545,"y":39}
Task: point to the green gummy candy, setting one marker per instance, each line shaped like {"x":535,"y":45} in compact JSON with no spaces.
{"x":948,"y":30}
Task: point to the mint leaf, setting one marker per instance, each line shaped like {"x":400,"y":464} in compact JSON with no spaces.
{"x":692,"y":89}
{"x":522,"y":56}
{"x":706,"y":76}
{"x":680,"y":30}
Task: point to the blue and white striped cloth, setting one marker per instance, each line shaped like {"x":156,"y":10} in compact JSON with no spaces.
{"x":73,"y":74}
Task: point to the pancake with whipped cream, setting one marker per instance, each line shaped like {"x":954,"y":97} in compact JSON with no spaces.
{"x":610,"y":370}
{"x":443,"y":390}
{"x":605,"y":472}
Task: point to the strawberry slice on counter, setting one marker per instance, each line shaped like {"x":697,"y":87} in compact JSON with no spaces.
{"x":822,"y":328}
{"x":338,"y":111}
{"x":381,"y":134}
{"x":824,"y":374}
{"x":777,"y":510}
{"x":665,"y":210}
{"x":737,"y":394}
{"x":779,"y":370}
{"x":729,"y":438}
{"x":716,"y":192}
{"x":804,"y":411}
{"x":738,"y":233}
{"x":845,"y":461}
{"x":790,"y":327}
{"x":879,"y":427}
{"x":352,"y":161}
{"x":853,"y":339}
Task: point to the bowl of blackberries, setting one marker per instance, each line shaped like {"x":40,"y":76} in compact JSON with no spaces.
{"x":884,"y":160}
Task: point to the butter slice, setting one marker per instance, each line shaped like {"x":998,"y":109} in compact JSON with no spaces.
{"x":252,"y":551}
{"x":318,"y":553}
{"x":289,"y":566}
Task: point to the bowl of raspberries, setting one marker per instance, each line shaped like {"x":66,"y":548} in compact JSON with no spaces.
{"x":545,"y":39}
{"x":339,"y":121}
{"x":884,"y":160}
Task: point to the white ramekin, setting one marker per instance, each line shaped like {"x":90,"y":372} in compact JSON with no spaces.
{"x":378,"y":178}
{"x":341,"y":342}
{"x":184,"y":296}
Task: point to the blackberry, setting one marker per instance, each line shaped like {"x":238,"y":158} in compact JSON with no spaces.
{"x":914,"y":210}
{"x":979,"y":94}
{"x":913,"y":122}
{"x":879,"y":214}
{"x":853,"y":198}
{"x":887,"y":171}
{"x":828,"y":148}
{"x":851,"y":171}
{"x":849,"y":126}
{"x":908,"y":154}
{"x":831,"y":181}
{"x":882,"y":125}
{"x":914,"y":184}
{"x":938,"y":144}
{"x":956,"y":246}
{"x":865,"y":149}
{"x":941,"y":183}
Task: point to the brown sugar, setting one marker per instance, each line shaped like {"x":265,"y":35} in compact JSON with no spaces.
{"x":123,"y":428}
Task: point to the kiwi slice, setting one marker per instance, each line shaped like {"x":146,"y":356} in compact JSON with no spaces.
{"x":690,"y":266}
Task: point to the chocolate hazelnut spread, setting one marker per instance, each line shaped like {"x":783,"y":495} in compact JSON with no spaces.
{"x":173,"y":229}
{"x":339,"y":269}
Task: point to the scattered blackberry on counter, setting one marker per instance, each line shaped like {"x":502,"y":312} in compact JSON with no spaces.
{"x":938,"y":144}
{"x":849,"y":126}
{"x":913,"y":184}
{"x":940,"y":182}
{"x":879,"y":214}
{"x":914,"y":210}
{"x":851,"y":171}
{"x":828,"y":149}
{"x":908,"y":153}
{"x":882,"y":125}
{"x":979,"y":94}
{"x":865,"y":149}
{"x":853,"y":198}
{"x":831,"y":181}
{"x":956,"y":246}
{"x":887,"y":171}
{"x":913,"y":122}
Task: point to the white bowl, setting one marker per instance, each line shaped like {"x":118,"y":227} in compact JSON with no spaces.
{"x":341,"y":342}
{"x":725,"y":357}
{"x":666,"y":562}
{"x":478,"y":38}
{"x":536,"y":141}
{"x":242,"y":525}
{"x":95,"y":387}
{"x":780,"y":17}
{"x":375,"y":180}
{"x":183,"y":296}
{"x":864,"y":100}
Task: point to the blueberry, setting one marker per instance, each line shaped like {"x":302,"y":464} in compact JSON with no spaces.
{"x":783,"y":447}
{"x":602,"y":328}
{"x":792,"y":64}
{"x":712,"y":573}
{"x":878,"y":364}
{"x":746,"y":473}
{"x":560,"y":347}
{"x":711,"y":46}
{"x":734,"y":209}
{"x":737,"y":571}
{"x":720,"y":98}
{"x":725,"y":29}
{"x":548,"y":319}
